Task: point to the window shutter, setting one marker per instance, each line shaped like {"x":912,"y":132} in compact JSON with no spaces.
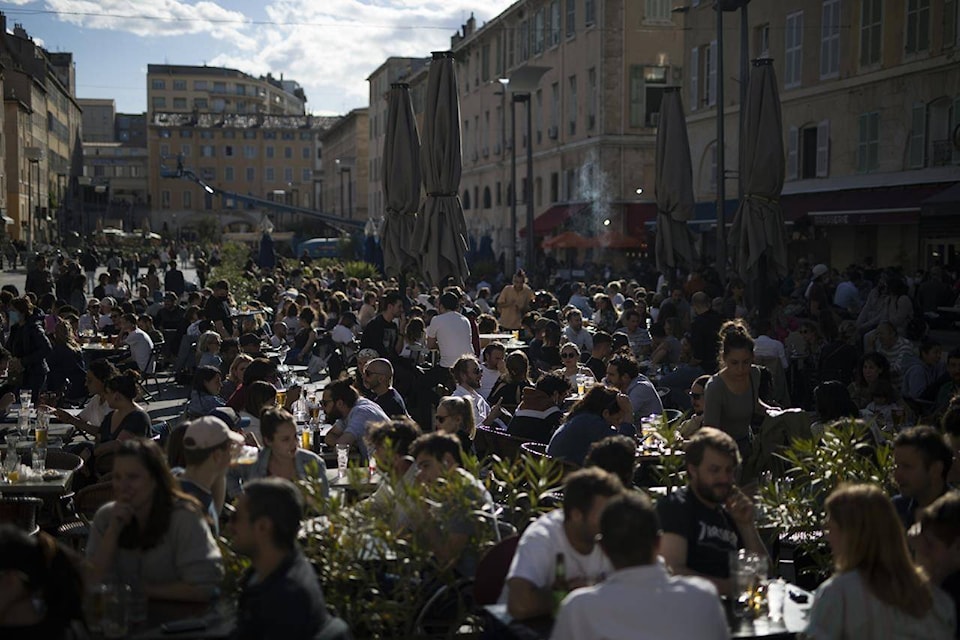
{"x":918,"y":136}
{"x":712,"y":75}
{"x":694,"y":78}
{"x":823,"y":149}
{"x":793,"y":143}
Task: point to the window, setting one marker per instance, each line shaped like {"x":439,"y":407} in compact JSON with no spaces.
{"x":268,"y":174}
{"x":228,"y":150}
{"x":571,"y":17}
{"x":524,"y":42}
{"x":185,"y":150}
{"x":241,"y":89}
{"x":158,"y":84}
{"x":657,"y":11}
{"x":219,"y":87}
{"x":485,"y":63}
{"x":918,"y":137}
{"x":761,"y":41}
{"x":199,"y":85}
{"x":206,"y":151}
{"x":187,"y":200}
{"x":694,"y":78}
{"x":306,"y":175}
{"x":591,"y":98}
{"x":554,"y":186}
{"x":589,"y":12}
{"x":288,"y":153}
{"x":868,"y":142}
{"x":554,"y":23}
{"x":269,"y":152}
{"x":466,"y":200}
{"x":555,"y":105}
{"x":228,"y":174}
{"x":288,"y":174}
{"x":159,"y":102}
{"x":538,"y":32}
{"x":809,"y":151}
{"x":710,"y":71}
{"x":165,"y":199}
{"x":793,"y":50}
{"x":918,"y":26}
{"x":951,"y":22}
{"x":249,"y":151}
{"x":179,"y":103}
{"x":179,"y":85}
{"x":251,"y":174}
{"x":487,"y":198}
{"x":572,"y":106}
{"x":305,"y":153}
{"x":871,"y":32}
{"x":636,"y":96}
{"x":199,"y":103}
{"x":830,"y":39}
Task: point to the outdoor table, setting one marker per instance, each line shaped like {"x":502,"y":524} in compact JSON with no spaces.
{"x":38,"y":487}
{"x":515,"y":345}
{"x":496,"y":336}
{"x":355,"y":478}
{"x":96,"y":350}
{"x":160,"y":612}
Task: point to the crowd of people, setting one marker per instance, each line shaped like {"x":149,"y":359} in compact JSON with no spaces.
{"x":413,"y":374}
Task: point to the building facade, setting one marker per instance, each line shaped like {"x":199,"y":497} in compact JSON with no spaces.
{"x":98,"y":119}
{"x":345,"y":165}
{"x":603,"y":66}
{"x":870,"y":94}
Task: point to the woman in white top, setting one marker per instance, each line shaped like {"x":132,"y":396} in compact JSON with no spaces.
{"x":96,"y":409}
{"x":877,"y":591}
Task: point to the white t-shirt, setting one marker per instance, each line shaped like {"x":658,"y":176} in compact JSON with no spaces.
{"x":454,"y":336}
{"x":489,"y":378}
{"x":536,"y":556}
{"x":94,"y":411}
{"x":766,"y":347}
{"x":140,"y":347}
{"x":341,"y":334}
{"x":480,"y":406}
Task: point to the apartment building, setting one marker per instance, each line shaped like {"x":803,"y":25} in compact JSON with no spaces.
{"x":395,"y":69}
{"x":870,"y":93}
{"x":244,"y":135}
{"x":42,"y":137}
{"x":605,"y":65}
{"x":345,"y":165}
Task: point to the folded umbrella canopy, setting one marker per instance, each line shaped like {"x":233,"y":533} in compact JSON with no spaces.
{"x":401,"y":182}
{"x":758,"y":231}
{"x":674,"y":188}
{"x":441,"y":234}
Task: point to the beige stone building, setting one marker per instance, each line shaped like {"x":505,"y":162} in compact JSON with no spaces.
{"x":246,"y":136}
{"x":870,"y":91}
{"x":606,"y":64}
{"x":99,"y":119}
{"x":345,"y":166}
{"x":42,"y":137}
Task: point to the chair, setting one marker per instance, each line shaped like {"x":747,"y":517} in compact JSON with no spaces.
{"x":539,"y":450}
{"x":490,"y":441}
{"x":86,"y":502}
{"x":21,"y":511}
{"x":153,"y":366}
{"x":492,"y":571}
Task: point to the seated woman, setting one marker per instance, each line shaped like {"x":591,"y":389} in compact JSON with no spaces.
{"x":208,"y":350}
{"x":153,"y":536}
{"x":41,"y":587}
{"x":602,"y":412}
{"x":127,"y":420}
{"x":455,"y":416}
{"x":281,"y":455}
{"x":570,"y":356}
{"x":205,"y":395}
{"x":260,"y":395}
{"x":304,"y":339}
{"x":876,"y":590}
{"x":872,"y":367}
{"x":508,"y":390}
{"x":91,"y":416}
{"x":235,"y":375}
{"x":832,"y":403}
{"x":67,"y":371}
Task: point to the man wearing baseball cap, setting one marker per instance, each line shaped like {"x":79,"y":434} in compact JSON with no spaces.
{"x":208,"y":448}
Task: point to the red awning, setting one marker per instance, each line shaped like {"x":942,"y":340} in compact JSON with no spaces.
{"x":636,"y":215}
{"x":860,"y":206}
{"x":552,"y":218}
{"x":568,"y":240}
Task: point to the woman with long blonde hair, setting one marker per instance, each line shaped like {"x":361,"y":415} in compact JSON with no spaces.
{"x":876,"y":590}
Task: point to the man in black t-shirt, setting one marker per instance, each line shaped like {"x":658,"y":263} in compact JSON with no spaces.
{"x":382,"y":334}
{"x":710,"y":517}
{"x":704,"y":333}
{"x":378,"y":378}
{"x":217,"y":308}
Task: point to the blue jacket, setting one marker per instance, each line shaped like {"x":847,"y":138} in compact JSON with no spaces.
{"x":572,"y":440}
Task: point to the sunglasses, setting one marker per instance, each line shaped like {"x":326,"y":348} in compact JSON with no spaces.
{"x":568,"y":355}
{"x":694,"y":395}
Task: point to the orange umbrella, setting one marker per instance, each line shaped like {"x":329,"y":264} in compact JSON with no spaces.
{"x":568,"y":240}
{"x":618,"y":240}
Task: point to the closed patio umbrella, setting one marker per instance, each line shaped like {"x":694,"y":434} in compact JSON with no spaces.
{"x":440,"y":238}
{"x":758,"y":231}
{"x":401,"y":182}
{"x":674,"y":188}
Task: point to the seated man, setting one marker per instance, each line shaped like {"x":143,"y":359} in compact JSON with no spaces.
{"x":706,"y":520}
{"x":922,"y":460}
{"x":623,"y":373}
{"x":935,"y":540}
{"x":378,"y":379}
{"x":141,"y":346}
{"x":390,"y":446}
{"x":570,"y":532}
{"x":449,"y":531}
{"x":208,"y":446}
{"x":540,"y":410}
{"x":691,"y":424}
{"x":640,"y":593}
{"x":351,"y":414}
{"x":280,"y":595}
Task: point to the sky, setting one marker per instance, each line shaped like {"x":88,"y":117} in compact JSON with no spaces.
{"x":329,"y":46}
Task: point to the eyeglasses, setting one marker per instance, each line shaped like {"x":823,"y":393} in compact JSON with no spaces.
{"x":568,"y":355}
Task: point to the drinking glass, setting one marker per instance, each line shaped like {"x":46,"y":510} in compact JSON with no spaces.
{"x":776,"y":592}
{"x":38,"y":459}
{"x":23,"y":422}
{"x":343,"y":456}
{"x":581,"y":384}
{"x":115,"y":620}
{"x":246,"y":455}
{"x":747,"y":570}
{"x":25,"y":397}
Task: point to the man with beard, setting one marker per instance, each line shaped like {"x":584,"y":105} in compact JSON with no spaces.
{"x":710,"y":517}
{"x":382,"y":333}
{"x":351,"y":415}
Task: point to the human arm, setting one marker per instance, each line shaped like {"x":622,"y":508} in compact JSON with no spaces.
{"x":673,"y":548}
{"x":308,"y":347}
{"x":713,"y":402}
{"x":104,"y":537}
{"x":338,"y":435}
{"x":196,"y":557}
{"x":741,"y":511}
{"x":526,"y":600}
